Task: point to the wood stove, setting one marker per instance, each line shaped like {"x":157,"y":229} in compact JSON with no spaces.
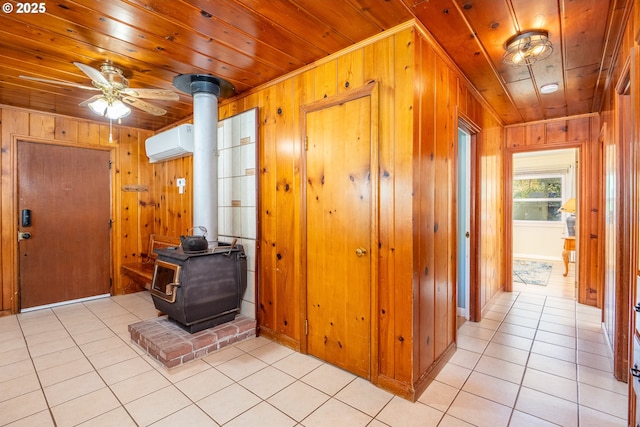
{"x":200,"y":290}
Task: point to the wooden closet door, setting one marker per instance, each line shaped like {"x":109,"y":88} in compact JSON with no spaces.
{"x":338,"y":202}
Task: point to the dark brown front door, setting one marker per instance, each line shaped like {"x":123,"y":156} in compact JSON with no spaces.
{"x":66,"y":192}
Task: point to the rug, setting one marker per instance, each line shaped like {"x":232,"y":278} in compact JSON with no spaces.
{"x":531,"y":272}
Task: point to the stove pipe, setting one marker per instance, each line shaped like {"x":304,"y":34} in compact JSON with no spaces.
{"x":206,"y":90}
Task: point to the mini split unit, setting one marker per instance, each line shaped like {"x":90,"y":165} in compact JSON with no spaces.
{"x":171,"y":144}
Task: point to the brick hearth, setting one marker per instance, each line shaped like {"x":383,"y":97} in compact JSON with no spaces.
{"x":168,"y":343}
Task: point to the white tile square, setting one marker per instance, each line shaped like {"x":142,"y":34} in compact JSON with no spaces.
{"x":228,"y":403}
{"x":263,"y":415}
{"x":549,"y":408}
{"x":328,"y":379}
{"x":248,"y":309}
{"x":85,"y":408}
{"x":438,"y":395}
{"x":334,"y":413}
{"x":297,"y":364}
{"x":551,"y":384}
{"x":157,"y":405}
{"x":364,"y":396}
{"x":267,"y":382}
{"x":298,"y":400}
{"x":401,"y":412}
{"x":479,"y":411}
{"x":241,"y":367}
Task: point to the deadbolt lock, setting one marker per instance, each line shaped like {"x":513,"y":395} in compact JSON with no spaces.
{"x":361,"y":251}
{"x":23,"y":235}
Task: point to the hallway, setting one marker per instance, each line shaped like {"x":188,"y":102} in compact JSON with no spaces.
{"x":533,"y":361}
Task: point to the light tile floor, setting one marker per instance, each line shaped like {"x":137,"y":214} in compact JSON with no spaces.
{"x":533,"y":361}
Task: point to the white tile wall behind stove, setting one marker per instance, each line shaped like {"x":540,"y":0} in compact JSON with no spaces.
{"x":237,"y":192}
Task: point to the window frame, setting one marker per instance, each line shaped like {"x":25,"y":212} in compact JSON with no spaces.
{"x":542,"y":175}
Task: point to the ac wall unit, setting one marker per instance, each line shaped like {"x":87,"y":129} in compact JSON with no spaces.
{"x":170,"y":144}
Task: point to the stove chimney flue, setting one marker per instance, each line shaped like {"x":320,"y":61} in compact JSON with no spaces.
{"x":206,"y":90}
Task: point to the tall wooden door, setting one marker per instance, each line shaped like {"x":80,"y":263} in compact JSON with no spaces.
{"x":64,"y":192}
{"x":339,"y":203}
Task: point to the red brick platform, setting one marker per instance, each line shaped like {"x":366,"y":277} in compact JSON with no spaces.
{"x":168,"y":343}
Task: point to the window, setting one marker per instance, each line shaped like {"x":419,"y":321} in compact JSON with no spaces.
{"x":537,"y":198}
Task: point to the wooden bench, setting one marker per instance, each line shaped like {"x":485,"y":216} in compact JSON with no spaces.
{"x":141,"y":273}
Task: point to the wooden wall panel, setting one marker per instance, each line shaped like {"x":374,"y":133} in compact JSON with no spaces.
{"x":384,"y":71}
{"x":491,"y":280}
{"x":403,"y":283}
{"x":429,"y":205}
{"x":287,"y":187}
{"x":55,"y":129}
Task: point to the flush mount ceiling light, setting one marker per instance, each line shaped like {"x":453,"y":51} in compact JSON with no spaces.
{"x":527,"y":47}
{"x":549,"y":88}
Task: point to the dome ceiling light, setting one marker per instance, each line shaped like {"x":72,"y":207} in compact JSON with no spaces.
{"x":549,"y":88}
{"x":527,"y":48}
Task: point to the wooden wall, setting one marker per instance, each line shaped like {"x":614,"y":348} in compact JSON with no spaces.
{"x":578,"y":132}
{"x":620,"y":117}
{"x":420,"y":95}
{"x":133,"y":221}
{"x":441,"y":97}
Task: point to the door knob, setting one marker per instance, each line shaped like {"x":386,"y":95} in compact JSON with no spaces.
{"x":361,"y":251}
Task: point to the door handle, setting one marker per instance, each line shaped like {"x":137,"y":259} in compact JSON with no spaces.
{"x":635,"y":372}
{"x":361,"y":251}
{"x":23,"y":235}
{"x":637,"y":307}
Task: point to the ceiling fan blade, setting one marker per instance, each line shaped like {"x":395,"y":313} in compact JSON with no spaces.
{"x":151,"y":94}
{"x":88,"y":101}
{"x":144,"y":106}
{"x":93,"y":74}
{"x":59,"y":82}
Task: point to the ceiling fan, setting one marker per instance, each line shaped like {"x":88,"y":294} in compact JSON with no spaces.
{"x":115,"y":92}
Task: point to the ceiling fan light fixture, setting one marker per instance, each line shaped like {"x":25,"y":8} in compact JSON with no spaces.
{"x":527,"y":48}
{"x":99,"y":106}
{"x":113,"y":110}
{"x":117,"y":110}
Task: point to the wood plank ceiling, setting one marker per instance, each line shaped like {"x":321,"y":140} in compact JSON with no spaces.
{"x":250,"y":42}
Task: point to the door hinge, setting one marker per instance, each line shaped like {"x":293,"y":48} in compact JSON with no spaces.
{"x":306,"y":326}
{"x":306,"y":143}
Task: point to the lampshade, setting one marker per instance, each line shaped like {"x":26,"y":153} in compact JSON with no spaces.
{"x":526,"y":48}
{"x":117,"y":110}
{"x":99,"y":106}
{"x":112,"y":110}
{"x":569,"y":206}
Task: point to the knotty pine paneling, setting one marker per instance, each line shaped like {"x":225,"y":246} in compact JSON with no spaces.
{"x":417,"y":131}
{"x":619,"y":134}
{"x":127,"y":168}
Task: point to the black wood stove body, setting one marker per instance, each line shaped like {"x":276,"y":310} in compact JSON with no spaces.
{"x":200,"y":290}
